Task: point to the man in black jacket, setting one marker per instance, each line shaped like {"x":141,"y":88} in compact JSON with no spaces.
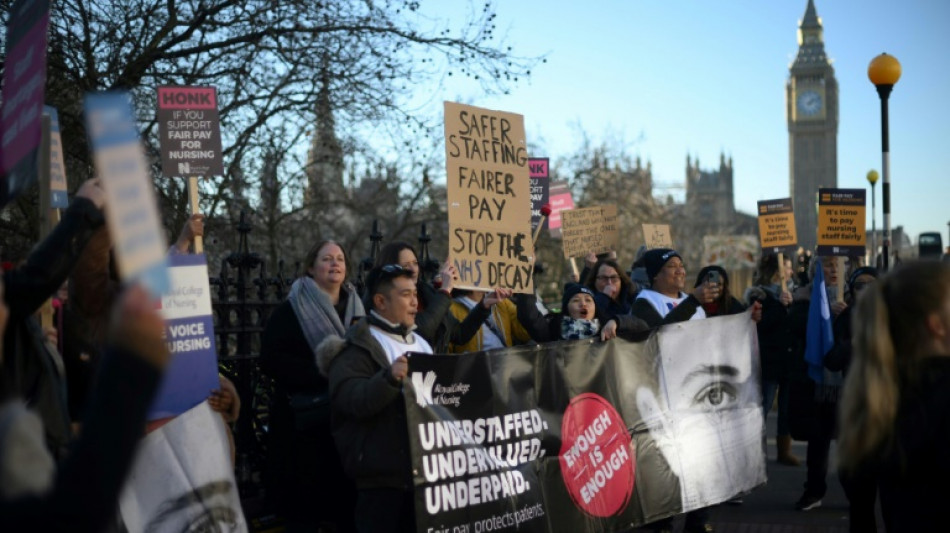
{"x":366,"y":371}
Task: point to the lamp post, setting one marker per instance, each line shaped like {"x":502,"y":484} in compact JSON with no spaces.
{"x":872,"y":179}
{"x":884,"y":71}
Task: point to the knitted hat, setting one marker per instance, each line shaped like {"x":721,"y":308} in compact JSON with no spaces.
{"x":858,"y":272}
{"x":706,"y":270}
{"x":571,"y":290}
{"x":654,"y":260}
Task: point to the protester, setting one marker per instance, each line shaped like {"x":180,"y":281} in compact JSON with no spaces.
{"x":613,"y":291}
{"x":32,"y":370}
{"x":813,"y":395}
{"x":665,"y":302}
{"x":434,"y":322}
{"x":305,"y":473}
{"x":500,"y":330}
{"x":725,"y":303}
{"x":897,"y":394}
{"x":580,"y":318}
{"x":366,"y":372}
{"x":859,"y":486}
{"x":775,"y":346}
{"x":82,"y":493}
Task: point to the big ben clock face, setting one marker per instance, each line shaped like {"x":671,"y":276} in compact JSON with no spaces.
{"x":809,"y":103}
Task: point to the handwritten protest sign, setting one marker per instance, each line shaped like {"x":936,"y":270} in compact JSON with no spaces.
{"x":489,"y":198}
{"x":131,"y":207}
{"x":538,"y":171}
{"x":57,"y":166}
{"x":24,"y":83}
{"x":189,"y":131}
{"x":657,"y":236}
{"x":189,"y":335}
{"x":841,"y":221}
{"x":590,"y":229}
{"x":561,"y":200}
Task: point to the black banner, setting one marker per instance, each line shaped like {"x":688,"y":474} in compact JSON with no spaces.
{"x":586,"y":436}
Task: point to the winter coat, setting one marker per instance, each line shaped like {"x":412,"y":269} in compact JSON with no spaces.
{"x":547,"y":328}
{"x":32,"y":371}
{"x":505,"y":315}
{"x":644,"y":310}
{"x":368,"y":413}
{"x":438,"y":324}
{"x":774,"y":333}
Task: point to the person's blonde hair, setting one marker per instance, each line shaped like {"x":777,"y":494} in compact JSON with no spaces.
{"x":889,"y":341}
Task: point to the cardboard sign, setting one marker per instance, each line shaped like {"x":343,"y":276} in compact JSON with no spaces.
{"x":657,"y":236}
{"x":590,"y":229}
{"x":24,"y":84}
{"x":841,"y":221}
{"x":190,"y":131}
{"x":561,"y":200}
{"x":538,"y":171}
{"x":777,"y":226}
{"x":131,"y":207}
{"x":488,"y":198}
{"x":189,"y":335}
{"x":57,"y":166}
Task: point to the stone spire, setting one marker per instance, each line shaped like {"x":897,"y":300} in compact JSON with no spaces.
{"x":325,"y":164}
{"x":811,"y":42}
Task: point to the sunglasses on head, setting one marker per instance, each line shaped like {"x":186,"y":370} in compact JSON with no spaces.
{"x":394,"y":269}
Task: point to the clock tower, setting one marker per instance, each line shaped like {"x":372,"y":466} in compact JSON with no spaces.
{"x":811,"y":107}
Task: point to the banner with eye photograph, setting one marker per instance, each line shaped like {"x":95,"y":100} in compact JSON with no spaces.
{"x":585,"y":435}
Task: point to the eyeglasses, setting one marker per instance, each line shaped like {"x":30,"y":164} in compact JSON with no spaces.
{"x":609,"y":279}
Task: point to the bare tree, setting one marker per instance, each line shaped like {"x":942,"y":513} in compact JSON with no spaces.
{"x":269,"y":59}
{"x":605,"y":172}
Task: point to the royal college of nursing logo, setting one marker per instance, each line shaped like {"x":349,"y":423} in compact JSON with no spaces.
{"x":429,"y":393}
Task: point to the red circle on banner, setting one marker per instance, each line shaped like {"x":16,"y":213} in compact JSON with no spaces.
{"x":597,"y":456}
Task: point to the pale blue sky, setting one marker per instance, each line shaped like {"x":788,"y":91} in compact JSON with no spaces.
{"x":701,"y":77}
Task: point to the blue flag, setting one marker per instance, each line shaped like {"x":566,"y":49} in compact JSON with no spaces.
{"x":819,"y":338}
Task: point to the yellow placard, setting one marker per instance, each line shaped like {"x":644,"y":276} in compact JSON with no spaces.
{"x":777,"y":224}
{"x":589,"y":230}
{"x":489,"y":198}
{"x":841,"y":221}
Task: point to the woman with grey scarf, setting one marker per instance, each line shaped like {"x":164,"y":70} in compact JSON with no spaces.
{"x":304,"y":470}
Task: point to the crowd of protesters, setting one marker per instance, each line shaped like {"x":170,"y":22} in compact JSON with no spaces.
{"x":75,"y":395}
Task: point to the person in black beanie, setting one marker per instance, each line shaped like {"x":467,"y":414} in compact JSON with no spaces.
{"x":579,"y":318}
{"x":665,"y":301}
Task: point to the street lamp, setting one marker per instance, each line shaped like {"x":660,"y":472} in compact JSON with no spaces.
{"x":872,"y":179}
{"x":884,"y":71}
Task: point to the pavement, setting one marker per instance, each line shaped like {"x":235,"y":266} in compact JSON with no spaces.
{"x":770,"y":508}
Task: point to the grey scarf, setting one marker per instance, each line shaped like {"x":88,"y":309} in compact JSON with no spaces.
{"x":315,"y":312}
